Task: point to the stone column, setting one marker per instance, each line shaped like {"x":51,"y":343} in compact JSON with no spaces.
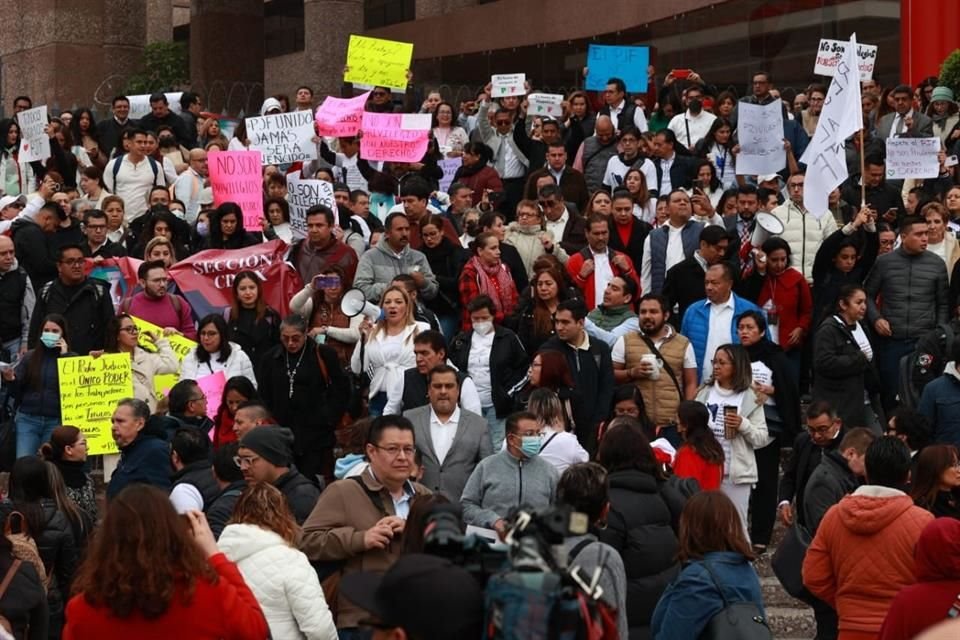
{"x":226,"y":54}
{"x":159,"y":21}
{"x":327,"y":27}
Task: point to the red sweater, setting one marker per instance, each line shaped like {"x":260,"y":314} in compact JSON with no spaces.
{"x":575,"y":263}
{"x":794,"y":304}
{"x":227,"y":609}
{"x":690,"y":464}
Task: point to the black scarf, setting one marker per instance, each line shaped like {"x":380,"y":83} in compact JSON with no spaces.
{"x":786,"y":390}
{"x":466,"y":171}
{"x":73,"y":474}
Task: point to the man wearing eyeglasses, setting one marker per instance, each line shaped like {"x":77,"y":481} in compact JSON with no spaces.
{"x":266,"y":455}
{"x":802,"y":230}
{"x":84,"y":302}
{"x":358,"y":522}
{"x":157,"y":305}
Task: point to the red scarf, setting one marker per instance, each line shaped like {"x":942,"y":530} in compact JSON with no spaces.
{"x":497,"y":283}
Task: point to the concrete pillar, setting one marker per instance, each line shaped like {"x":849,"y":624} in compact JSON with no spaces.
{"x":928,"y":33}
{"x":327,"y":27}
{"x":226,"y":53}
{"x":159,"y":21}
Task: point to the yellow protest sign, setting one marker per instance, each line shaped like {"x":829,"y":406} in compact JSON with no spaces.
{"x":180,"y":346}
{"x":379,"y":63}
{"x":90,"y":389}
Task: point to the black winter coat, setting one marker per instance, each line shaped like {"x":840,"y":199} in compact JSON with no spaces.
{"x":803,"y":461}
{"x":641,"y":526}
{"x":255,"y":338}
{"x":508,"y":364}
{"x":220,"y":509}
{"x":87,"y":312}
{"x":200,"y":475}
{"x":25,"y":603}
{"x":841,"y":372}
{"x":830,"y":481}
{"x":446,"y":260}
{"x":301,"y":494}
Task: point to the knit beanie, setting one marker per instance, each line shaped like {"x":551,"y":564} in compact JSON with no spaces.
{"x":272,"y":443}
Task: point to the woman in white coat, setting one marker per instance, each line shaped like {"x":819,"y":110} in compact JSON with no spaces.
{"x":216,"y":353}
{"x":261,"y":539}
{"x":738,"y":422}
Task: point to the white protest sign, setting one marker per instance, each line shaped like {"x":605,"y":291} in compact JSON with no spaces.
{"x":831,"y":51}
{"x":912,"y":158}
{"x":34,"y":142}
{"x":449,"y":167}
{"x":760,"y":129}
{"x":545,"y":104}
{"x":140,"y":104}
{"x":303,"y":194}
{"x":508,"y":84}
{"x":416,"y":122}
{"x":283,"y":137}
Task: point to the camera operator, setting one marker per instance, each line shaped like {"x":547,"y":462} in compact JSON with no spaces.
{"x":511,"y":478}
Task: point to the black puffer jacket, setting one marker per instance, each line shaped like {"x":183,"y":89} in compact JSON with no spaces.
{"x":25,"y":603}
{"x":641,"y":526}
{"x":914,"y":290}
{"x":301,"y":494}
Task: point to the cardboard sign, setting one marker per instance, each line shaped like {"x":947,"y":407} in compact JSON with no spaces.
{"x":912,"y":158}
{"x":235,"y":176}
{"x":760,"y":131}
{"x":303,"y":194}
{"x":508,"y":84}
{"x":378,"y":63}
{"x":90,"y":389}
{"x":449,"y":166}
{"x":340,"y":117}
{"x":34,"y":142}
{"x":545,"y":104}
{"x":830,"y":52}
{"x":386,"y":138}
{"x":140,"y":104}
{"x":627,"y":63}
{"x":283,"y":137}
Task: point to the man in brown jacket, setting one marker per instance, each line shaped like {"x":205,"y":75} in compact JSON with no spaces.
{"x":359,"y":521}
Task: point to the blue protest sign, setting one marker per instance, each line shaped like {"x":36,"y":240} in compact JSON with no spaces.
{"x":627,"y":63}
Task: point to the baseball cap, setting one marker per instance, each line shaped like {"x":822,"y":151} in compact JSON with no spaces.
{"x":6,"y":201}
{"x":427,"y":596}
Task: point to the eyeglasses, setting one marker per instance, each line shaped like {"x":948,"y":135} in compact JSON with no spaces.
{"x":548,"y":204}
{"x":73,"y":262}
{"x":131,"y":330}
{"x":528,"y":214}
{"x":717,"y":363}
{"x":795,"y":185}
{"x":200,"y":398}
{"x":394,"y":451}
{"x":95,"y":227}
{"x":820,"y":431}
{"x":245,"y":461}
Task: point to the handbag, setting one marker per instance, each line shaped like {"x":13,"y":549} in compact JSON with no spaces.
{"x":787,"y":562}
{"x":737,"y":620}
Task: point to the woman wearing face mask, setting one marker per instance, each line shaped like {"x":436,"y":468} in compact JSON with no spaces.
{"x":201,"y":228}
{"x":485,"y":274}
{"x":254,"y":324}
{"x":529,"y":238}
{"x":844,"y":258}
{"x":944,"y":113}
{"x":843,"y":370}
{"x":446,"y":260}
{"x":319,"y":303}
{"x":39,"y":386}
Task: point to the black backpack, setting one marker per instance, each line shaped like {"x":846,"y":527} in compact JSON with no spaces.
{"x":926,"y":362}
{"x":737,"y":620}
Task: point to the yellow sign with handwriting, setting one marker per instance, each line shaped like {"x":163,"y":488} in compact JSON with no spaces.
{"x":90,"y":389}
{"x":378,"y":63}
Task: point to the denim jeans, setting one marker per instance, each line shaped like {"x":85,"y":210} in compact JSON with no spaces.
{"x":377,"y":403}
{"x":354,"y":633}
{"x":32,"y":431}
{"x":497,"y":427}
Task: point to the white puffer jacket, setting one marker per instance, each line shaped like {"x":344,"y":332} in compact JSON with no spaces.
{"x":281,"y":578}
{"x":804,"y":233}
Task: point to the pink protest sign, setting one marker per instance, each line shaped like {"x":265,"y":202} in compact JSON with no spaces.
{"x":340,"y":117}
{"x":235,"y":176}
{"x":398,"y":137}
{"x":212,"y":387}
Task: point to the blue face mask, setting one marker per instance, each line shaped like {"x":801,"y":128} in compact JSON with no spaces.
{"x":530,"y":445}
{"x":49,"y":339}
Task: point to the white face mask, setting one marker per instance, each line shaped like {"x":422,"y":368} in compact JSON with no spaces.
{"x":483,"y":328}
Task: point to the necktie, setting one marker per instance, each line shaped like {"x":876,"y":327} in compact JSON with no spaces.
{"x":900,"y":124}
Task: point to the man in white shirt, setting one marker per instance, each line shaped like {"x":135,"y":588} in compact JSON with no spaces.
{"x":669,"y":244}
{"x":693,"y":125}
{"x":410,"y":391}
{"x":622,"y":113}
{"x":188,"y":188}
{"x":904,"y":121}
{"x":132,"y":175}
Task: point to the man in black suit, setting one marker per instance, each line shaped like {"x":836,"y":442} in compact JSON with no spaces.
{"x":685,"y":284}
{"x":674,"y":171}
{"x":740,"y":226}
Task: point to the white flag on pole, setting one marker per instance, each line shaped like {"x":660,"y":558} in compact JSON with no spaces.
{"x":841,"y":118}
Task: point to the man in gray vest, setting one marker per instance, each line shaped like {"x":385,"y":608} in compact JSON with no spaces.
{"x":595,"y":153}
{"x":410,"y":391}
{"x":669,"y":244}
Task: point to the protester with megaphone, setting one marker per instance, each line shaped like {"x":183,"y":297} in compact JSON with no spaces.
{"x":319,"y":303}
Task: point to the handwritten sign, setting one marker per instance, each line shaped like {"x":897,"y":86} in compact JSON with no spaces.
{"x":912,"y":158}
{"x":545,"y":104}
{"x":449,"y":167}
{"x":393,"y":136}
{"x":90,"y":389}
{"x":377,"y":62}
{"x":761,"y":139}
{"x":283,"y":137}
{"x":627,"y":63}
{"x":508,"y":84}
{"x":140,"y":104}
{"x":178,"y":344}
{"x":303,"y":194}
{"x":340,"y":117}
{"x":34,"y":142}
{"x":235,"y":177}
{"x":830,"y":52}
{"x":212,"y":387}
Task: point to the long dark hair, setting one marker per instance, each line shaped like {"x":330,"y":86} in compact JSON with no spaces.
{"x":225,"y":350}
{"x":111,"y":339}
{"x":698,"y":435}
{"x":243,"y":386}
{"x":932,"y":461}
{"x":625,"y":447}
{"x":75,"y":126}
{"x":554,"y":370}
{"x":5,"y":125}
{"x":261,"y":306}
{"x":217,"y":241}
{"x":703,"y":147}
{"x":35,"y":363}
{"x":29,"y":485}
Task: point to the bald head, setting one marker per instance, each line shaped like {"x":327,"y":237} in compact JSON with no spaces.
{"x":198,"y":161}
{"x":7,"y":255}
{"x":605,"y":129}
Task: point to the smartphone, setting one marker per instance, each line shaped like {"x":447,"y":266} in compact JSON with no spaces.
{"x":326,"y":282}
{"x":891,"y":214}
{"x":951,"y":161}
{"x":495,"y":196}
{"x":681,"y":74}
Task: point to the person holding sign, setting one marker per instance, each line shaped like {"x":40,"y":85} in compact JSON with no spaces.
{"x":39,"y":380}
{"x":450,"y":138}
{"x":23,"y":178}
{"x":621,"y":112}
{"x":216,"y":353}
{"x":123,"y":336}
{"x":226,"y":230}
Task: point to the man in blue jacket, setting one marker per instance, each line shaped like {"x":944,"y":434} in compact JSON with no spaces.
{"x":940,"y":402}
{"x":144,"y":451}
{"x":711,"y":322}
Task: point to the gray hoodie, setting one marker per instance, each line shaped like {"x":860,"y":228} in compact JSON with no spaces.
{"x":502,"y":482}
{"x":380,"y":264}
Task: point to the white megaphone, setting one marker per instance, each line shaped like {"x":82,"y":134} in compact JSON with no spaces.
{"x":354,"y":303}
{"x":767,"y":225}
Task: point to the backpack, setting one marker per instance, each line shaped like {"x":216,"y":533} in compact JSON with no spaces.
{"x":925,"y":363}
{"x":739,"y":620}
{"x":119,"y":161}
{"x":7,"y":579}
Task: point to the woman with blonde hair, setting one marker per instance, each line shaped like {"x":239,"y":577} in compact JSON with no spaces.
{"x":261,"y":538}
{"x":560,"y":446}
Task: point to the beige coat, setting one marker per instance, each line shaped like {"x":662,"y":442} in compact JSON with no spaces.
{"x":148,"y":365}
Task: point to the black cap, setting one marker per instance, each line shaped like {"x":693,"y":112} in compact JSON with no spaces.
{"x":272,"y":443}
{"x":427,"y":596}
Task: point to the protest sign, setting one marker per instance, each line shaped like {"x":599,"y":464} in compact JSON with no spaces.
{"x":386,"y":138}
{"x":508,"y":84}
{"x":545,"y":104}
{"x":34,"y":141}
{"x":912,"y":158}
{"x":339,"y":117}
{"x":140,"y":104}
{"x":205,"y":278}
{"x":830,"y":52}
{"x":449,"y":167}
{"x":761,"y":139}
{"x":303,"y":194}
{"x":235,"y":176}
{"x":180,"y":346}
{"x":378,"y":63}
{"x":90,"y":389}
{"x":283,"y":137}
{"x":119,"y":273}
{"x":608,"y":61}
{"x":212,"y":388}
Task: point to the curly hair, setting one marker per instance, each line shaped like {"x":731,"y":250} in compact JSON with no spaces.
{"x":141,"y":557}
{"x":263,"y":505}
